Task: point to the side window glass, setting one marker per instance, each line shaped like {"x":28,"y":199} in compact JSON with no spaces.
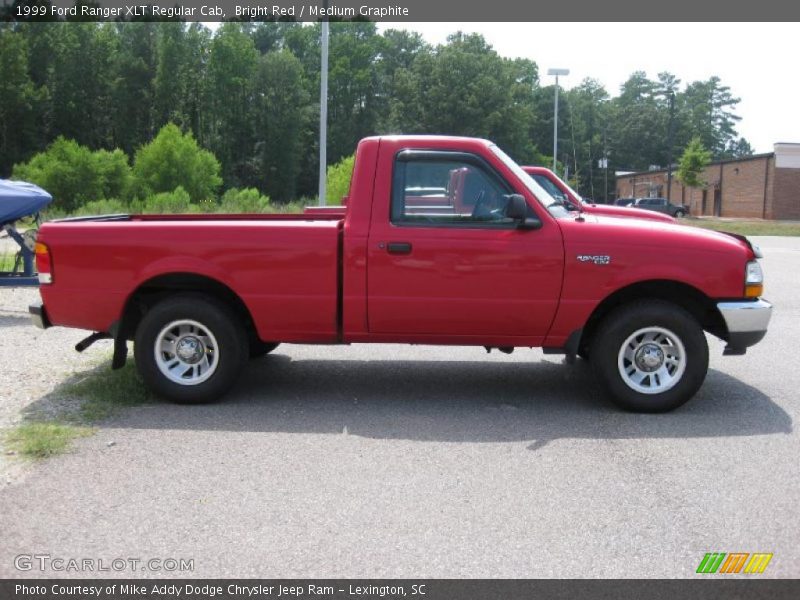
{"x":448,"y":193}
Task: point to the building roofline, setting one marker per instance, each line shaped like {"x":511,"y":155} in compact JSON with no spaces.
{"x":712,"y":163}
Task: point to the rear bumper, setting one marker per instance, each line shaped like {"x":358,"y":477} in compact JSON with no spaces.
{"x":39,"y":315}
{"x":746,"y":321}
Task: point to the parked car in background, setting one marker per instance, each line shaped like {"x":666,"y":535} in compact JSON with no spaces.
{"x":664,"y":206}
{"x":625,"y":201}
{"x":572,"y":201}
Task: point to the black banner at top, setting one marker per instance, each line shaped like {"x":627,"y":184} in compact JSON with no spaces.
{"x":401,"y":10}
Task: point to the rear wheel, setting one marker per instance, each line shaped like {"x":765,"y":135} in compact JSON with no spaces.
{"x":650,"y":356}
{"x":190,"y":348}
{"x":679,"y":214}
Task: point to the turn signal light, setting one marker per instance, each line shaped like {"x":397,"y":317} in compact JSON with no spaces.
{"x":753,"y":290}
{"x":44,"y":263}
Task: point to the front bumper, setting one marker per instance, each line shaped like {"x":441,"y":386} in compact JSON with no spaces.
{"x":39,"y":315}
{"x":746,"y":321}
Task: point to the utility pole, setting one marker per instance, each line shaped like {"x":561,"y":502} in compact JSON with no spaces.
{"x":605,"y":165}
{"x":556,"y":72}
{"x":323,"y":110}
{"x":670,"y":134}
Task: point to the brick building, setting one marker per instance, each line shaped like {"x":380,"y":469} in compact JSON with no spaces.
{"x":762,"y":186}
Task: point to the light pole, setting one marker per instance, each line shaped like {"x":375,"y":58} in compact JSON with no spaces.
{"x":556,"y":72}
{"x":323,"y":111}
{"x":670,"y":135}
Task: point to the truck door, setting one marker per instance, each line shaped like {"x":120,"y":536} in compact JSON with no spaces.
{"x":464,"y":269}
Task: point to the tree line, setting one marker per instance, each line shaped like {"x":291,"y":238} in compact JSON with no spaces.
{"x":248,"y":93}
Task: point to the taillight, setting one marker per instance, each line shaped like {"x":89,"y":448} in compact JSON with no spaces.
{"x":44,"y":263}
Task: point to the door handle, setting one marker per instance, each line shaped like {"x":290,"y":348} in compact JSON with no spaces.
{"x":398,"y":248}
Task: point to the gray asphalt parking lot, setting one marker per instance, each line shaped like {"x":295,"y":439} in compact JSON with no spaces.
{"x":396,"y":461}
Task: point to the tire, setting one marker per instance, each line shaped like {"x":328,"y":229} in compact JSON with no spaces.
{"x":259,"y":348}
{"x":679,"y":214}
{"x":212,"y":354}
{"x":650,"y":356}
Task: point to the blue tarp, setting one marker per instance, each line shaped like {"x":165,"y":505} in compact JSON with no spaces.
{"x":19,"y":199}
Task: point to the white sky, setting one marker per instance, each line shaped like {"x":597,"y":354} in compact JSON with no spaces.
{"x":758,"y":61}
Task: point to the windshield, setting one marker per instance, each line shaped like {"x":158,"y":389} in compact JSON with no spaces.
{"x":549,"y":187}
{"x":571,"y":191}
{"x":553,"y":205}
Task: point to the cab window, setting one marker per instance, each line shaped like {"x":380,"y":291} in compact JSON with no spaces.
{"x":447,"y":189}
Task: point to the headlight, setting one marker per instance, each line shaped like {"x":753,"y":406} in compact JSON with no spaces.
{"x":753,"y":280}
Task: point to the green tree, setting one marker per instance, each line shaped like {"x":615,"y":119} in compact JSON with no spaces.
{"x":738,"y":148}
{"x":19,"y":100}
{"x":170,"y":82}
{"x":231,"y":68}
{"x":586,"y":117}
{"x":695,"y":158}
{"x":711,"y":112}
{"x":465,"y":88}
{"x":80,"y":82}
{"x":281,"y":107}
{"x":198,"y":47}
{"x":75,"y":175}
{"x":639,"y":121}
{"x":132,"y":85}
{"x":174,"y":159}
{"x":248,"y":200}
{"x":338,"y":180}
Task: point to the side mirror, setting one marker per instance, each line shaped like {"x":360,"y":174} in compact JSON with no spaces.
{"x":518,"y":210}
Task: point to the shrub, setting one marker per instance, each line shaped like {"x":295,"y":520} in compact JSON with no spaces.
{"x":75,"y":175}
{"x":248,"y":200}
{"x":338,"y":180}
{"x":175,"y":202}
{"x":172,"y":160}
{"x":112,"y":206}
{"x":207,"y":206}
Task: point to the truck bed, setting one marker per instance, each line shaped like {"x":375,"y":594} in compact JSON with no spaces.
{"x":284,"y":267}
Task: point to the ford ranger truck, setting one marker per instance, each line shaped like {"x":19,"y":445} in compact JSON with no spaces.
{"x":572,"y":201}
{"x":443,"y":240}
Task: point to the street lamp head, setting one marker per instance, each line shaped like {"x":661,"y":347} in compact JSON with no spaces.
{"x":558,"y":72}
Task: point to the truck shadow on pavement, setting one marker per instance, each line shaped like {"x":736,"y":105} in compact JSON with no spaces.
{"x":458,"y":401}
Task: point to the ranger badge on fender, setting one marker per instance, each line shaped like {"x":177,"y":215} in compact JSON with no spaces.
{"x":598,"y":259}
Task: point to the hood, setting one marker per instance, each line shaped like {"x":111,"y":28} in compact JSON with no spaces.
{"x":628,"y":212}
{"x":655,"y":234}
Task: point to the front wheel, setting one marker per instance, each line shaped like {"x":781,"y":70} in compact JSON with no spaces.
{"x":190,"y":348}
{"x":680,"y":214}
{"x":651,"y":356}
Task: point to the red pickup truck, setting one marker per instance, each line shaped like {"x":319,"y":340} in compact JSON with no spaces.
{"x":444,"y":240}
{"x":558,"y":188}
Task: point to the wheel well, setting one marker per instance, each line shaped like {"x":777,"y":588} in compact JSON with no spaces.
{"x":154,"y":290}
{"x":700,"y":306}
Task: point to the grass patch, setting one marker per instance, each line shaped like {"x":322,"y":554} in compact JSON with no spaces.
{"x":41,"y":440}
{"x":747,"y":227}
{"x":7,"y":261}
{"x":102,"y":392}
{"x":74,"y":407}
